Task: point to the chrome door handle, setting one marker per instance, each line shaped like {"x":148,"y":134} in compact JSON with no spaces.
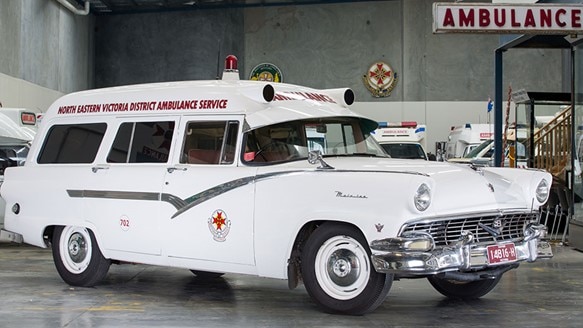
{"x":174,"y":168}
{"x":99,"y":167}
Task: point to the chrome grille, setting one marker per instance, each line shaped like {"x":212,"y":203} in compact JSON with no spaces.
{"x":448,"y":231}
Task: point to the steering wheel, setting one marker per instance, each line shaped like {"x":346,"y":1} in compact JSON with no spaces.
{"x":270,"y":145}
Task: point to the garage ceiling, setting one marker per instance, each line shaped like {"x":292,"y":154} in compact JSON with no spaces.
{"x":109,"y":7}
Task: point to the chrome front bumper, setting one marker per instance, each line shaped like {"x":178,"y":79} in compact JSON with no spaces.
{"x":415,"y":254}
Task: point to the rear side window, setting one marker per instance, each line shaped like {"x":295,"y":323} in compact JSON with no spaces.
{"x":142,"y":142}
{"x":71,"y":144}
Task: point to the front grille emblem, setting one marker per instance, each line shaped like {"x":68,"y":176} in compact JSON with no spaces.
{"x":496,"y":228}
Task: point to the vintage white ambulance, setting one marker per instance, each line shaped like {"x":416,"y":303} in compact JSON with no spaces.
{"x":274,"y":180}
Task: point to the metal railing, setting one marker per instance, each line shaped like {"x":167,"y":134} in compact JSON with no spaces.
{"x":552,"y":145}
{"x":552,"y":152}
{"x":556,"y":219}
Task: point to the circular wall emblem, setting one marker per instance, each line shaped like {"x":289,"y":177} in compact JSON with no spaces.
{"x":219,"y":225}
{"x":380,"y":79}
{"x":266,"y":72}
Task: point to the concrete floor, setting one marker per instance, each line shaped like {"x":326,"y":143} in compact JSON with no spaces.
{"x":542,"y":294}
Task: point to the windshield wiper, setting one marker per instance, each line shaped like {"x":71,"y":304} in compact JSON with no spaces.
{"x":356,"y":154}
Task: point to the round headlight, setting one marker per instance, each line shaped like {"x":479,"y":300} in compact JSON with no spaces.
{"x":542,"y":191}
{"x":422,"y":197}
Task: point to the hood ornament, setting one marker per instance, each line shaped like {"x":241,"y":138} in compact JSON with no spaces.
{"x":491,"y":187}
{"x":315,"y":156}
{"x":476,"y":168}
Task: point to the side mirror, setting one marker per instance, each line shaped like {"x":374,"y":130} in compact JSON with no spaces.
{"x":315,"y":156}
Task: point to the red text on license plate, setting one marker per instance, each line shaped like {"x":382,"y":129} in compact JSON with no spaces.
{"x":501,"y":253}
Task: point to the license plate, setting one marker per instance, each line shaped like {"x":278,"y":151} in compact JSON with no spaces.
{"x":501,"y":253}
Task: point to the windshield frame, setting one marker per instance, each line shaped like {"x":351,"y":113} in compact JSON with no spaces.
{"x":476,"y":151}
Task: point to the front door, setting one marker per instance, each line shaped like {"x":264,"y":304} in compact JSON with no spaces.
{"x":209,"y":213}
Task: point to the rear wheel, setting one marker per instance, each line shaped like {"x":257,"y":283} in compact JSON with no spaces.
{"x":338,"y":273}
{"x":77,"y":256}
{"x":463,"y":289}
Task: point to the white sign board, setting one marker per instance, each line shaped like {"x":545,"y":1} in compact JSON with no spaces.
{"x":507,"y":18}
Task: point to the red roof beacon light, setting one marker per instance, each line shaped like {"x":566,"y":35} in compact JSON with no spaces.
{"x":231,"y":72}
{"x":231,"y":63}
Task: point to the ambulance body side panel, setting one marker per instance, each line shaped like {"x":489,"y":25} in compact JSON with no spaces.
{"x":54,"y":207}
{"x":122,"y":193}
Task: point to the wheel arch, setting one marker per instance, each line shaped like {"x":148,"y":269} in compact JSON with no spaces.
{"x":49,"y":231}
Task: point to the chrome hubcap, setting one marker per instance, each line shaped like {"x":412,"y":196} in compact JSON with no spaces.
{"x":343,"y":267}
{"x":77,"y":248}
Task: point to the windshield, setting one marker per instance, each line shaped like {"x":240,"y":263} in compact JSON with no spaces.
{"x":476,"y":151}
{"x":404,"y":150}
{"x":340,"y":136}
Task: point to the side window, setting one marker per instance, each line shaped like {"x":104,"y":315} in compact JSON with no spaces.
{"x":340,"y":139}
{"x":142,"y":142}
{"x":210,"y":142}
{"x":74,"y":143}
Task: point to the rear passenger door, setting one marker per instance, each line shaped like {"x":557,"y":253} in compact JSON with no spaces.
{"x":209,"y":213}
{"x":123,"y":196}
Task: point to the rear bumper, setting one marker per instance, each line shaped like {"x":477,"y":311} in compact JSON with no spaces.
{"x":8,"y":236}
{"x":402,"y":255}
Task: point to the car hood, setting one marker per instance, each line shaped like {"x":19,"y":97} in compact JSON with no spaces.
{"x":455,"y":188}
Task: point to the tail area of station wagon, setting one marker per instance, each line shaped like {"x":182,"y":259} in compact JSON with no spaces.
{"x":274,"y":180}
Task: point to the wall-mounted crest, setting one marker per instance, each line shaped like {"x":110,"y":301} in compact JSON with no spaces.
{"x":380,"y":79}
{"x":266,"y":72}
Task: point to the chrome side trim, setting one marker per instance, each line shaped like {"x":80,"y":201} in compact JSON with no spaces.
{"x":201,"y":197}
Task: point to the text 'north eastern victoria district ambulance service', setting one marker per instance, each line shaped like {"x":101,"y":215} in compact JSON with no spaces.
{"x":267,"y":179}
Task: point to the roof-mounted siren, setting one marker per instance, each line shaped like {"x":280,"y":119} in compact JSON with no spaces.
{"x":343,"y":96}
{"x":262,"y":93}
{"x":231,"y":73}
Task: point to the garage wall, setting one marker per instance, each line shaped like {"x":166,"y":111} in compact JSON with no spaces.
{"x":44,"y":46}
{"x":167,"y":46}
{"x":23,"y":94}
{"x":444,"y":79}
{"x":333,"y":45}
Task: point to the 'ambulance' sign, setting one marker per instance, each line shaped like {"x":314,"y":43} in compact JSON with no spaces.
{"x":505,"y":18}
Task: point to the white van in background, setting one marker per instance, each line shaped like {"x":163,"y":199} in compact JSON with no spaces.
{"x":18,"y":127}
{"x":402,"y":140}
{"x":462,"y":139}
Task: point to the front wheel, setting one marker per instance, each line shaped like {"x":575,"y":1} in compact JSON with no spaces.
{"x":338,"y":273}
{"x":465,"y":290}
{"x":77,"y":256}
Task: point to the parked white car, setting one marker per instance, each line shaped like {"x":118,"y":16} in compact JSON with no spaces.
{"x":483,"y":155}
{"x":273,"y":180}
{"x":17,"y":129}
